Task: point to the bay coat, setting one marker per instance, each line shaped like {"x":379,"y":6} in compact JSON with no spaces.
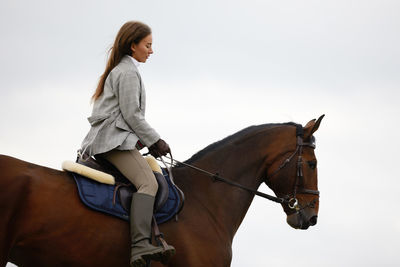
{"x":118,"y":115}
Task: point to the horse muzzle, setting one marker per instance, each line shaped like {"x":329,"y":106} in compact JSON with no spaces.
{"x":302,"y":219}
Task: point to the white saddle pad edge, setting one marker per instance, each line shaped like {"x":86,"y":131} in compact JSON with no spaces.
{"x":96,"y":175}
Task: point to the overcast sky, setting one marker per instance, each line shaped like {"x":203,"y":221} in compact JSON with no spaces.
{"x":220,"y":66}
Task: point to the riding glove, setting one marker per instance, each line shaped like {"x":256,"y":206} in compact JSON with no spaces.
{"x":160,"y":148}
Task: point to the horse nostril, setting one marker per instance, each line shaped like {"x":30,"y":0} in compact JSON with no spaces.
{"x":313,"y":220}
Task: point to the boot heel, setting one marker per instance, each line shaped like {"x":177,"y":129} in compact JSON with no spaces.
{"x":167,"y":255}
{"x":140,"y":262}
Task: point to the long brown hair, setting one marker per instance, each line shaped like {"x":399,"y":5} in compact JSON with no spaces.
{"x":132,"y":32}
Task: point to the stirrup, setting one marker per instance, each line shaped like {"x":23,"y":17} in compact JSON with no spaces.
{"x":158,"y":236}
{"x":168,"y":251}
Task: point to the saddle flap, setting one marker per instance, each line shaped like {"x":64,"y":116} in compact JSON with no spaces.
{"x":125,"y":193}
{"x":125,"y":196}
{"x":163,"y":191}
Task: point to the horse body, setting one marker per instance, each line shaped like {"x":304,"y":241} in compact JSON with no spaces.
{"x":43,"y":222}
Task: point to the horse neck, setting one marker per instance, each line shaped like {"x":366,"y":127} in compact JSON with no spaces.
{"x":239,"y":162}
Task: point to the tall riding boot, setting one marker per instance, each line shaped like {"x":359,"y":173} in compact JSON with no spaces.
{"x":140,"y":220}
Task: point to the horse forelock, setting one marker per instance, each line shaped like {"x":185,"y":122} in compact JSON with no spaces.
{"x":243,"y":133}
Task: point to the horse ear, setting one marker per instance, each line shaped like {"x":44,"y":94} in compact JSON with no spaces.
{"x":312,"y":126}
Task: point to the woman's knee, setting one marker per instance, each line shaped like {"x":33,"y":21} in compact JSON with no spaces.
{"x":150,"y":187}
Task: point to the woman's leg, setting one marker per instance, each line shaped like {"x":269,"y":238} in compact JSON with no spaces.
{"x":135,"y":168}
{"x":132,"y":164}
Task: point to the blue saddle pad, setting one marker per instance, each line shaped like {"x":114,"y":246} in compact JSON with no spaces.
{"x":99,"y":197}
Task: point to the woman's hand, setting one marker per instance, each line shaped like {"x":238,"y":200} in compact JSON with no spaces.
{"x":160,"y":148}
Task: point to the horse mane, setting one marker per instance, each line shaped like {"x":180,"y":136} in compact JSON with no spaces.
{"x":234,"y":136}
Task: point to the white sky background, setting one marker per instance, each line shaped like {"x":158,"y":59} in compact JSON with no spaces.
{"x":220,"y":66}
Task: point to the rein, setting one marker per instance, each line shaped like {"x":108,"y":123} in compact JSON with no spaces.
{"x":290,"y":200}
{"x":217,"y":177}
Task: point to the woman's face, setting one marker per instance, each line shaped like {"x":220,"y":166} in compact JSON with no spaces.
{"x":143,"y":50}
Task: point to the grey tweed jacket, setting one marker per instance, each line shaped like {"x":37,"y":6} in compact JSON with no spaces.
{"x":118,"y":116}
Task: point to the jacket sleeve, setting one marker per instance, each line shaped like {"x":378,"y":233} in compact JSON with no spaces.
{"x":129,"y":94}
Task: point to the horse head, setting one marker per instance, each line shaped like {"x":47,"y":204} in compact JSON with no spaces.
{"x":295,"y":177}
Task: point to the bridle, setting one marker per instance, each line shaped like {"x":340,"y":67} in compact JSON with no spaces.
{"x":290,"y":199}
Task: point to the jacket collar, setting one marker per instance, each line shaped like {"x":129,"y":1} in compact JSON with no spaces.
{"x":128,"y":60}
{"x":137,"y":64}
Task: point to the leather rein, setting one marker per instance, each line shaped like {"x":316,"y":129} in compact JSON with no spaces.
{"x":291,"y":199}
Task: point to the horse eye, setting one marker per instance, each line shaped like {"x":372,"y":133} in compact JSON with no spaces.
{"x":312,"y":164}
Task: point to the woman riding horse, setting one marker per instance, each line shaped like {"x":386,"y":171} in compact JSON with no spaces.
{"x":44,"y":223}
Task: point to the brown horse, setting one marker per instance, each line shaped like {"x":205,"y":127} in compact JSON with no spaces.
{"x":43,"y":222}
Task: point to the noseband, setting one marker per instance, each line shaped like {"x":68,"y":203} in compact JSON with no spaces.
{"x":291,"y":199}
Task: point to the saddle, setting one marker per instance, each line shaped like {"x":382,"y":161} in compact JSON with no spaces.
{"x":123,"y":188}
